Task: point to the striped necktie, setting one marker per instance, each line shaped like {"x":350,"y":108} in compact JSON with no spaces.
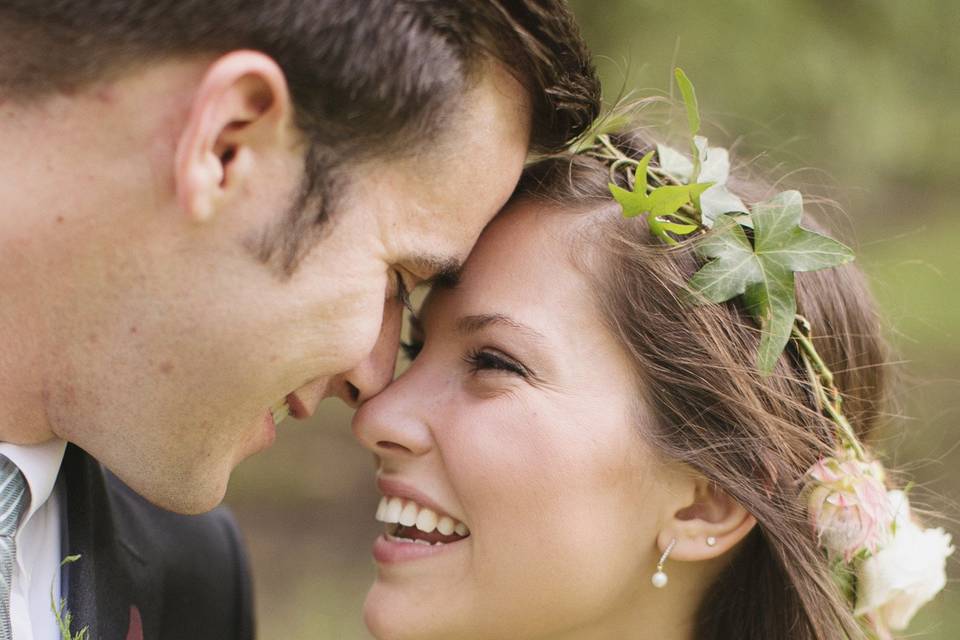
{"x":14,"y":496}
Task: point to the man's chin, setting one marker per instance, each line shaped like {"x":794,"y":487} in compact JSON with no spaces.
{"x":261,"y":439}
{"x":187,"y":497}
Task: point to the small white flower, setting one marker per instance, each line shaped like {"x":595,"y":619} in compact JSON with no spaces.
{"x":714,"y":167}
{"x":907,"y":571}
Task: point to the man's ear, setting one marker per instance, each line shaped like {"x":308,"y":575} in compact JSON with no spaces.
{"x":240,"y":110}
{"x":709,"y":525}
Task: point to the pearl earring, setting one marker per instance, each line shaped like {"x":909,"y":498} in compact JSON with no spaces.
{"x":659,"y":578}
{"x":711,"y":541}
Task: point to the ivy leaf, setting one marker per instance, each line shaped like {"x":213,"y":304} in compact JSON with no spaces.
{"x":780,"y":237}
{"x":689,"y":100}
{"x":674,"y":163}
{"x":668,"y":199}
{"x":660,"y":228}
{"x":763,"y":271}
{"x":634,"y":202}
{"x":773,"y":302}
{"x":716,"y":201}
{"x":693,"y":116}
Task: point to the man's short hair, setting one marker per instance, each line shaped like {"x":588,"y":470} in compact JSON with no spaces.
{"x":365,"y":76}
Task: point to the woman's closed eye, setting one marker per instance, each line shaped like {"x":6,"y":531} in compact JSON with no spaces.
{"x":487,"y":359}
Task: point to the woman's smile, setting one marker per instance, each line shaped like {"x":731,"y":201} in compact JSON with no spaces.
{"x":414,"y":526}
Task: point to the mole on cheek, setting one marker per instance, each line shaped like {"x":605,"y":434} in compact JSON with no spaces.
{"x":166,"y":367}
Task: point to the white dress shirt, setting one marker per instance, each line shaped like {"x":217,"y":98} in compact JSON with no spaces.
{"x":37,"y":568}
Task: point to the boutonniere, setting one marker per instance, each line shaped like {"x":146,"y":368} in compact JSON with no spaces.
{"x":62,"y":613}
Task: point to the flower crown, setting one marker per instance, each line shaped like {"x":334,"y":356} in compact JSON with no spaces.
{"x":887,"y":564}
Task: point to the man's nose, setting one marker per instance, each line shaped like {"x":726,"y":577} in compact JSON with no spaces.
{"x":375,"y":371}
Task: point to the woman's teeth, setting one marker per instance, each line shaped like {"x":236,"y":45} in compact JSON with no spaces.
{"x":279,"y":411}
{"x":408,"y":514}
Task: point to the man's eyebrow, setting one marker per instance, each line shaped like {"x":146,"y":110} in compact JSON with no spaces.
{"x":445,"y":270}
{"x":472,"y":324}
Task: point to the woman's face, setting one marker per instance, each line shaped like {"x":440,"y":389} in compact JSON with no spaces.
{"x":520,"y":418}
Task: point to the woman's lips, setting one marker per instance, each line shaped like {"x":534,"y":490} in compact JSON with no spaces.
{"x":416,"y":527}
{"x":392,"y":487}
{"x":390,"y":550}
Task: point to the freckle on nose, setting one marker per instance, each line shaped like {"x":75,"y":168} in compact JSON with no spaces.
{"x":166,"y":367}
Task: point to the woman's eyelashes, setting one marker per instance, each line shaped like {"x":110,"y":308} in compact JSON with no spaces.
{"x":490,"y":360}
{"x":484,"y":359}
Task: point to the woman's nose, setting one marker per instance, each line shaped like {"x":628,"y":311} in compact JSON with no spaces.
{"x":393,"y":424}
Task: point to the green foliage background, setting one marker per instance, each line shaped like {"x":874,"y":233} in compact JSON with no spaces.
{"x":852,"y":99}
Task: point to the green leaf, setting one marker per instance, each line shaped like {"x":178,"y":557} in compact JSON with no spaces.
{"x":659,"y":228}
{"x":674,"y":163}
{"x":634,"y":202}
{"x":696,"y":190}
{"x":733,"y":266}
{"x":763,"y":272}
{"x":69,"y":560}
{"x":668,"y":199}
{"x":689,"y":100}
{"x":717,"y":201}
{"x":773,"y":302}
{"x":781,"y":238}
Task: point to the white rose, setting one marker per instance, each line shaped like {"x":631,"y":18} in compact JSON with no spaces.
{"x":907,"y":571}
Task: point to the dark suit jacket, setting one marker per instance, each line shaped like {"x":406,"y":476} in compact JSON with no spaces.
{"x":145,"y":572}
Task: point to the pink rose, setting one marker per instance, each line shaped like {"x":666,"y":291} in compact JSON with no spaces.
{"x":847,"y":501}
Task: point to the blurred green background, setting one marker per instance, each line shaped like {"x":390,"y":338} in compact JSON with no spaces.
{"x":865,"y":92}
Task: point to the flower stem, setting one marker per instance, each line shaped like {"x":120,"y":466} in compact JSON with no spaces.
{"x":828,"y":396}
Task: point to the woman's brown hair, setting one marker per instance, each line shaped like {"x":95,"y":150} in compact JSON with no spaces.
{"x":753,"y":437}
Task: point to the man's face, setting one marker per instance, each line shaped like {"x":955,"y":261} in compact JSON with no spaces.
{"x":175,"y":340}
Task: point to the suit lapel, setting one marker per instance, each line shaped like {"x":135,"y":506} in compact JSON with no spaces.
{"x":104,"y":588}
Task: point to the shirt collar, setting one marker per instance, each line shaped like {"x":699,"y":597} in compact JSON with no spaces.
{"x":40,"y":465}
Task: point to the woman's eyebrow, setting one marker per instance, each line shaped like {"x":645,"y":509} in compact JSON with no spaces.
{"x":474,"y":323}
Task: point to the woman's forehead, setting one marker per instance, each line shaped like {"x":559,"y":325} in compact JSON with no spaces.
{"x":520,"y":268}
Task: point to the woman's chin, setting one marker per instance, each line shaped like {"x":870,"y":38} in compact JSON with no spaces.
{"x":394,"y":613}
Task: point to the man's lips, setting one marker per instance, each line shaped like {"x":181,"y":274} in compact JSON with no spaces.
{"x":297,"y":408}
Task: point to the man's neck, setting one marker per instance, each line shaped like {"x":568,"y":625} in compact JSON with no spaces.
{"x":23,"y":414}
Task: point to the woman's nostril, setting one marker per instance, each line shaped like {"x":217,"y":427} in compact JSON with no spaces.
{"x":391,"y":446}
